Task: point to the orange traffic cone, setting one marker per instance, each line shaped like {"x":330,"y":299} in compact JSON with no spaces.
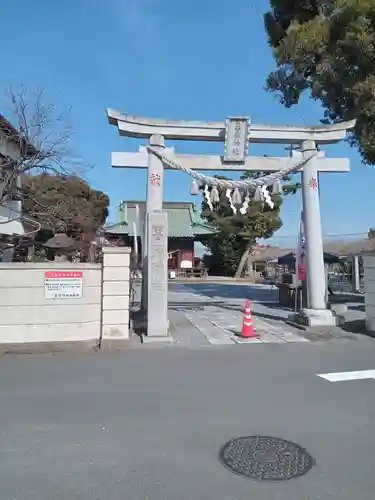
{"x":248,"y":331}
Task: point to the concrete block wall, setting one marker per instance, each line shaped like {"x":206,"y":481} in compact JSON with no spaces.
{"x":99,"y":317}
{"x":26,"y":316}
{"x":116,"y":278}
{"x":369,"y":282}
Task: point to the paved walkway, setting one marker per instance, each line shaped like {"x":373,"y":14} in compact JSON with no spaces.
{"x":212,"y":314}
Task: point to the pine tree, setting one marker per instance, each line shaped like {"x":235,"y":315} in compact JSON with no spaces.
{"x":328,"y":50}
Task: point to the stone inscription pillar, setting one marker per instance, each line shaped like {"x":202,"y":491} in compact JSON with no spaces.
{"x":157,"y":270}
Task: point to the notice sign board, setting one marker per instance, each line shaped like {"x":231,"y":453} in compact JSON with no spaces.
{"x":63,"y":284}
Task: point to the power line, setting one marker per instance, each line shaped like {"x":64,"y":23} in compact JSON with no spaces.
{"x":344,"y":234}
{"x":333,"y":235}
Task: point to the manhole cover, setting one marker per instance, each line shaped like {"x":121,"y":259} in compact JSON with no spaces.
{"x":265,"y":458}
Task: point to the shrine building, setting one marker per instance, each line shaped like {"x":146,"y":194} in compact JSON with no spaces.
{"x":185,"y":227}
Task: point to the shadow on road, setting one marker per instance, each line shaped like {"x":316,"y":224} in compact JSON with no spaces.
{"x":138,"y":321}
{"x":225,"y":291}
{"x":357,"y":326}
{"x":199,"y":306}
{"x":357,"y":307}
{"x":340,"y":298}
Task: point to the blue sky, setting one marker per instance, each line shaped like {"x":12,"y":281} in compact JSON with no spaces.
{"x":195,"y":60}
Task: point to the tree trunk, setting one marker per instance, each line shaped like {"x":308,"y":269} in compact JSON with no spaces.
{"x":242,"y":263}
{"x":91,"y":253}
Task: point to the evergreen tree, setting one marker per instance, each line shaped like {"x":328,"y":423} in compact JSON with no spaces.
{"x":327,"y":49}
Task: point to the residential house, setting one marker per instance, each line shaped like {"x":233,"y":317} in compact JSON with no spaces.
{"x":12,"y":150}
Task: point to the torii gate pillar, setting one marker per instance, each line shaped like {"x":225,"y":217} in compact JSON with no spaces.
{"x":154,"y":202}
{"x":154,"y":298}
{"x":316,"y":281}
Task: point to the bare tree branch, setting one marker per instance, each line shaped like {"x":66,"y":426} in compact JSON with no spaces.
{"x":42,"y":136}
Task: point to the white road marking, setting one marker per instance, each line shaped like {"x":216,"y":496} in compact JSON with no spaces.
{"x":344,"y":376}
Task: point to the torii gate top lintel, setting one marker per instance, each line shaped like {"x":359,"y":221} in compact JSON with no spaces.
{"x":143,"y":128}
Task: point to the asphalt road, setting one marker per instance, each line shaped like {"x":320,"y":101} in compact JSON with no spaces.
{"x":148,"y":423}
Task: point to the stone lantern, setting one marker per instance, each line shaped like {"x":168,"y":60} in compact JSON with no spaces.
{"x":62,"y":245}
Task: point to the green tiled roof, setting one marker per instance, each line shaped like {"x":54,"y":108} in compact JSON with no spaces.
{"x":184,"y":220}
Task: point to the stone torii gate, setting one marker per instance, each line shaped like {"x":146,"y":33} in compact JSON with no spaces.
{"x":308,"y":139}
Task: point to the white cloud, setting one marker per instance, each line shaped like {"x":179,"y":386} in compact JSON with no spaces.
{"x":141,"y":20}
{"x":136,"y":31}
{"x":140,"y":23}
